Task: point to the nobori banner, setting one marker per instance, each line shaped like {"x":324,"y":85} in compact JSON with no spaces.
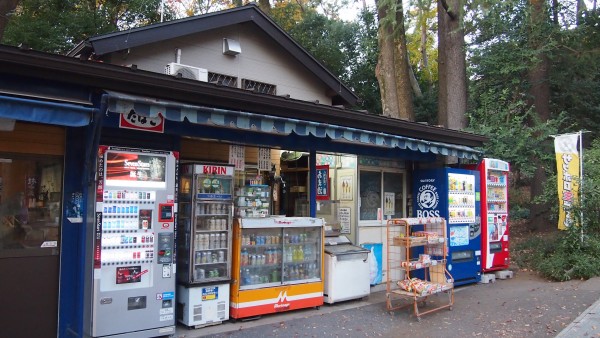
{"x":568,"y":169}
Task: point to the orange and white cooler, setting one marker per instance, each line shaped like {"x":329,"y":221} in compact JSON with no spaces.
{"x":277,"y":265}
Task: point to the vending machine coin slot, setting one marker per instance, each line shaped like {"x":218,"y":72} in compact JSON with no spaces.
{"x":165,"y":248}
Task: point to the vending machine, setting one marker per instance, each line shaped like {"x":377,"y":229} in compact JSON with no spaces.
{"x":454,"y":194}
{"x":131,"y":247}
{"x":204,"y":244}
{"x":494,"y":210}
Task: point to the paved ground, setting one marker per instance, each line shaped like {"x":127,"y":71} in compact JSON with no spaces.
{"x":524,"y":306}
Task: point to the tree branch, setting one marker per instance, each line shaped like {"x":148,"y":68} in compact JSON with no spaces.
{"x":450,"y":13}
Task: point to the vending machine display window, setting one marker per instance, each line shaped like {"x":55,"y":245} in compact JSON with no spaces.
{"x":131,"y":169}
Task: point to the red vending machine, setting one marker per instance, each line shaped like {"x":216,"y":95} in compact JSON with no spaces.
{"x":494,"y":214}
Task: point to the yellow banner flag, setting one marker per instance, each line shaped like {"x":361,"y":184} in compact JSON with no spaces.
{"x":567,"y":163}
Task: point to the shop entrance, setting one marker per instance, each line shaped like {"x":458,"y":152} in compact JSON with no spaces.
{"x":30,"y":209}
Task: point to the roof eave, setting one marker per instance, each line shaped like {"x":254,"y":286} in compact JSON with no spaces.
{"x":106,"y":76}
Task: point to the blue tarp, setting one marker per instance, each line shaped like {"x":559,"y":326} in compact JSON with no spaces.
{"x":41,"y":111}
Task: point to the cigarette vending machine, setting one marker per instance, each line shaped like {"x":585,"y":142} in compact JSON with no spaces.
{"x":453,"y":194}
{"x":131,"y":285}
{"x":204,"y":244}
{"x":494,"y":210}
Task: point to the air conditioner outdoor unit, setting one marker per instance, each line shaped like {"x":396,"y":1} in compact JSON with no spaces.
{"x":187,"y":72}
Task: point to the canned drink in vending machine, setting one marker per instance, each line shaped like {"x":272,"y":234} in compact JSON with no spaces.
{"x":200,"y":274}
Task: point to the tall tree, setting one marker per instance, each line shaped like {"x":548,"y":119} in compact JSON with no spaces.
{"x":6,"y":9}
{"x":452,"y":65}
{"x":539,"y":92}
{"x":392,"y":66}
{"x":57,"y":25}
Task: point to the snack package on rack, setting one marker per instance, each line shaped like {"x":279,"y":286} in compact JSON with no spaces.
{"x":420,"y":287}
{"x":424,"y":258}
{"x":431,"y":236}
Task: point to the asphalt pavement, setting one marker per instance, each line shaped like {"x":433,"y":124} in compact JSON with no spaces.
{"x":523,"y":306}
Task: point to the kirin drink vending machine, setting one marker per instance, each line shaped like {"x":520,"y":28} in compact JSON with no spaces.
{"x":131,"y":285}
{"x":204,"y":244}
{"x":454,"y":195}
{"x":494,"y":210}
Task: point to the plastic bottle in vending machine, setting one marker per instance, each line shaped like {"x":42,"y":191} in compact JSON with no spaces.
{"x":244,"y":259}
{"x":223,"y":240}
{"x":211,"y":241}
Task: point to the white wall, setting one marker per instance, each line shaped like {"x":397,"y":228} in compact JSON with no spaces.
{"x":261,"y":59}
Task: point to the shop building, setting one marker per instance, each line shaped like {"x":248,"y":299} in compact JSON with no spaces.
{"x":244,"y":84}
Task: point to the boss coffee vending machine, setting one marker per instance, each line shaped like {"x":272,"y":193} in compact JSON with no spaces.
{"x":131,"y":285}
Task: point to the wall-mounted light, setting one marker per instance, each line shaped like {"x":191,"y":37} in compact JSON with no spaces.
{"x":231,"y":47}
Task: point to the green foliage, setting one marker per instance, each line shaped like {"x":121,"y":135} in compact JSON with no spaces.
{"x":58,"y":25}
{"x":421,"y":37}
{"x":575,"y":252}
{"x":501,"y":54}
{"x":348,"y":49}
{"x":561,"y":257}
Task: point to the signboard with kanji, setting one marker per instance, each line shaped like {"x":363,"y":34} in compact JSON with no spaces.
{"x":322,"y":182}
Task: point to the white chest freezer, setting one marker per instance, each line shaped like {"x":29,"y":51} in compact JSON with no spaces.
{"x":346,"y":270}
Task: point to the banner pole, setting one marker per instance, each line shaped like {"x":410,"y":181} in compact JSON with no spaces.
{"x":581,"y":181}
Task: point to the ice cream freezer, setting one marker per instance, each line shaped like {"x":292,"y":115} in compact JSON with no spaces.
{"x":346,"y":270}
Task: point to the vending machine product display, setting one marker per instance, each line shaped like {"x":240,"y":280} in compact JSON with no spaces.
{"x":494,"y":210}
{"x":253,"y":201}
{"x":204,"y":243}
{"x":277,"y":265}
{"x":454,"y":195}
{"x":131,"y":284}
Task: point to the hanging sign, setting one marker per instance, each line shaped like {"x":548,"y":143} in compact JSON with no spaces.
{"x":264,"y":159}
{"x":344,"y":216}
{"x":237,"y":156}
{"x":567,"y":163}
{"x":322,"y":182}
{"x":135,"y":121}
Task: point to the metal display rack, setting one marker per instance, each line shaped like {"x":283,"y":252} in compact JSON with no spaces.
{"x":416,"y":264}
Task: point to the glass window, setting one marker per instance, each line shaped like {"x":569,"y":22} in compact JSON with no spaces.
{"x":393,"y":194}
{"x":30,"y":201}
{"x":387,"y":203}
{"x":370,"y":194}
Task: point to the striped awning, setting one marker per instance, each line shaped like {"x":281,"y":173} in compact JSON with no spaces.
{"x":121,"y":103}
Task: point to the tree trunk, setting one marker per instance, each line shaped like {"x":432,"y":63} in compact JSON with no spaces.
{"x":442,"y":79}
{"x":413,"y":82}
{"x":423,"y":49}
{"x":6,"y":7}
{"x":403,"y":79}
{"x":455,"y":69}
{"x":539,"y":92}
{"x":384,"y":71}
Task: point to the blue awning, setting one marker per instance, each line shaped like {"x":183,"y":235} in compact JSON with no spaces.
{"x":40,"y":111}
{"x":121,"y":103}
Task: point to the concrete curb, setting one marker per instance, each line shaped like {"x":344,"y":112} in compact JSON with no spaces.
{"x":586,"y":325}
